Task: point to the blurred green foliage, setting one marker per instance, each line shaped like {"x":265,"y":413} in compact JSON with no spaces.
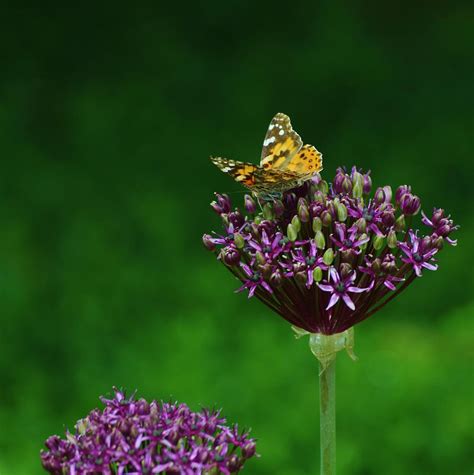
{"x":107,"y":117}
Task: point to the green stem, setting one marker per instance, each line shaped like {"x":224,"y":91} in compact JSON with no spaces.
{"x":327,"y":405}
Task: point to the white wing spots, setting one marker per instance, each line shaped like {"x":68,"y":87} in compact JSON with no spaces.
{"x":282,"y":132}
{"x":270,"y":127}
{"x":269,"y":141}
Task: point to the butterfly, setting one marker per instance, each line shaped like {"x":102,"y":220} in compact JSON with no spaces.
{"x":285,"y":162}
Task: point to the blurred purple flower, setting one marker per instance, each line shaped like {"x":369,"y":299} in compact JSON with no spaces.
{"x":136,"y":437}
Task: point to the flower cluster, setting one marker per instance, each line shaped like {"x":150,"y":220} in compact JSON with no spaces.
{"x":136,"y":437}
{"x":327,"y":256}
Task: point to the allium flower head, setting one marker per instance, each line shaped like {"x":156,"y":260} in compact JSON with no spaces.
{"x":327,"y":256}
{"x":132,"y":436}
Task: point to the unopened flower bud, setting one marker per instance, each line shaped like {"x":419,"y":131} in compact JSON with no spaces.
{"x":250,"y":205}
{"x":290,"y":199}
{"x":357,"y":190}
{"x":410,"y":204}
{"x":323,"y":187}
{"x":248,"y":450}
{"x":317,"y":224}
{"x":388,"y":193}
{"x":392,"y":239}
{"x":345,"y":269}
{"x":319,"y":197}
{"x":260,"y":258}
{"x":361,"y":225}
{"x":234,"y":464}
{"x":319,"y":240}
{"x":367,"y":183}
{"x":346,"y":184}
{"x":258,"y":219}
{"x":388,"y":264}
{"x":341,"y":212}
{"x":328,"y":257}
{"x":438,"y":215}
{"x":230,"y":256}
{"x":208,"y":242}
{"x":326,"y":218}
{"x":268,"y":212}
{"x":438,"y":242}
{"x":401,"y":190}
{"x":278,"y":208}
{"x":292,"y":233}
{"x":239,"y":241}
{"x":296,"y":223}
{"x":357,"y":177}
{"x":363,"y":246}
{"x":317,"y":274}
{"x":388,"y":218}
{"x":303,"y":213}
{"x":379,"y":196}
{"x":378,"y":242}
{"x":400,"y":223}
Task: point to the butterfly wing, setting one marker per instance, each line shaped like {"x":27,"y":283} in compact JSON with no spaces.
{"x":255,"y":178}
{"x":281,"y":143}
{"x":306,"y":162}
{"x":241,"y":172}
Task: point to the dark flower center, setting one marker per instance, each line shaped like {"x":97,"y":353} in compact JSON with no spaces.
{"x":267,"y":249}
{"x":417,"y":257}
{"x":255,"y":277}
{"x":340,"y":287}
{"x":368,"y":214}
{"x":283,"y":241}
{"x":347,"y":243}
{"x":310,"y":260}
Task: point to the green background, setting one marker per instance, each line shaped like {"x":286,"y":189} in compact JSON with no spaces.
{"x":108,"y":115}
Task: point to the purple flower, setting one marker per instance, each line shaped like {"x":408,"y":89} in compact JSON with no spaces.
{"x":442,"y":225}
{"x":134,"y":436}
{"x":355,"y":247}
{"x":252,"y":280}
{"x":348,"y":241}
{"x":340,"y":288}
{"x":418,"y":254}
{"x":306,"y":262}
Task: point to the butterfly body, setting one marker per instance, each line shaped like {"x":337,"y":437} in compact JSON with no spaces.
{"x":285,"y":162}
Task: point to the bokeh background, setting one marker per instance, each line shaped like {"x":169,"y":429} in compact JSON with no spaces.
{"x":108,"y":115}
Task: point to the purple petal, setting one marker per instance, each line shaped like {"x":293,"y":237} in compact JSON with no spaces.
{"x":333,"y":301}
{"x":348,"y":301}
{"x":429,"y":266}
{"x":389,"y":285}
{"x":266,"y":287}
{"x":356,"y":290}
{"x":326,"y":288}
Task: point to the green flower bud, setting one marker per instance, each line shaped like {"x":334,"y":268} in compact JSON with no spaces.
{"x":392,"y":239}
{"x":378,"y":242}
{"x":296,"y":223}
{"x":319,"y":197}
{"x":258,"y":219}
{"x":357,"y":179}
{"x":363,"y":247}
{"x":319,"y":240}
{"x":303,"y":213}
{"x":239,"y":241}
{"x":317,"y":224}
{"x":361,"y":225}
{"x":341,"y":212}
{"x":268,"y":212}
{"x":438,"y":242}
{"x":400,"y":223}
{"x":328,"y":257}
{"x":326,"y":218}
{"x":292,"y":233}
{"x":317,"y":274}
{"x":357,"y":190}
{"x":323,"y":187}
{"x":260,"y":258}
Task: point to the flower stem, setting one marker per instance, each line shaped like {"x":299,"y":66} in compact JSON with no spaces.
{"x":327,"y":405}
